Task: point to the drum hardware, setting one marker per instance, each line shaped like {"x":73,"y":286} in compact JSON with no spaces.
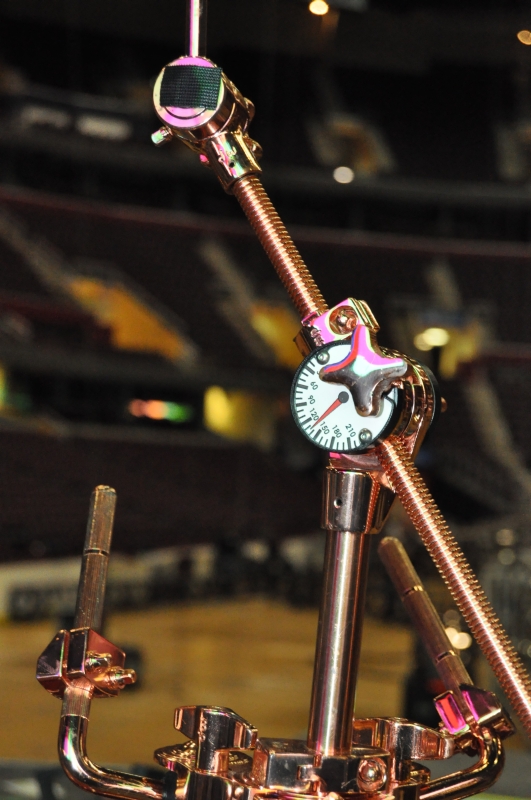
{"x":370,"y":408}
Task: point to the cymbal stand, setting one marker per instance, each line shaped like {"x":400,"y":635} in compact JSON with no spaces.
{"x":389,"y":401}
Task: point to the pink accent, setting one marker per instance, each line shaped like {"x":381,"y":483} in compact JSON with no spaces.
{"x":195,"y":61}
{"x":362,"y":347}
{"x":481,"y":704}
{"x":320,"y":322}
{"x":449,"y":712}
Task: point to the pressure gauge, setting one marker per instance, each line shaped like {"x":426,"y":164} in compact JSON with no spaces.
{"x":325,"y":412}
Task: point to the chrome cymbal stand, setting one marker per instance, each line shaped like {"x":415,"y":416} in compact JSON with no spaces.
{"x":370,"y":409}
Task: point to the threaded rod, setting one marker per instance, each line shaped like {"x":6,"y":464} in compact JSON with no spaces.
{"x":458,"y":576}
{"x":279,"y":247}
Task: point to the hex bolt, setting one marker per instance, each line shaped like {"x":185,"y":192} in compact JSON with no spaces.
{"x":343,"y":320}
{"x":371,"y":774}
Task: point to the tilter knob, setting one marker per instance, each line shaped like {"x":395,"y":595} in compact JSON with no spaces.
{"x":216,"y":731}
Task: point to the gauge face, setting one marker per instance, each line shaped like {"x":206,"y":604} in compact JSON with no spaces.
{"x":325,"y":412}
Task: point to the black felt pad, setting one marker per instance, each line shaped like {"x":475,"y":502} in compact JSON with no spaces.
{"x":189,"y":86}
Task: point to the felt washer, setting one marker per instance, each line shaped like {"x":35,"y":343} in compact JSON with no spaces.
{"x":188,"y":87}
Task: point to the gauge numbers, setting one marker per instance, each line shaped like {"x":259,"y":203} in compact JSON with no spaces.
{"x":325,"y":412}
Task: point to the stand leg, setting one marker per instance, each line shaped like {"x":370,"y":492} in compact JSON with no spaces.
{"x":352,"y":511}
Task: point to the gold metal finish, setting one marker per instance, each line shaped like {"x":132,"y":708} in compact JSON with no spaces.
{"x":370,"y":757}
{"x":232,"y":114}
{"x":279,"y":246}
{"x":454,"y":568}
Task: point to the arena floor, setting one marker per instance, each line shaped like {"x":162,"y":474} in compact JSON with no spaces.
{"x":253,"y":656}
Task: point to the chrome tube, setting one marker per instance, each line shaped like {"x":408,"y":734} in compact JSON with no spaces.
{"x":470,"y":781}
{"x":80,"y":769}
{"x":196,"y":27}
{"x":338,"y":642}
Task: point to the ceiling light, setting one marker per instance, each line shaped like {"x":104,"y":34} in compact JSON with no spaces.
{"x":111,"y":128}
{"x":343,"y":174}
{"x":458,"y":639}
{"x":160,"y":409}
{"x":430,"y":338}
{"x":524,"y":37}
{"x":319,"y":7}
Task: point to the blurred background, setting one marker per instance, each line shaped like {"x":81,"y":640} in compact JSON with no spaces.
{"x":145,"y":343}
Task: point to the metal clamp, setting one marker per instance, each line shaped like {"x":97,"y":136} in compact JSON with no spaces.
{"x":215,"y":730}
{"x":83,"y":653}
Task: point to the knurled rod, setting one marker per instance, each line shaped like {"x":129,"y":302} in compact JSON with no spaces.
{"x":279,"y":246}
{"x":91,"y":590}
{"x":458,"y":576}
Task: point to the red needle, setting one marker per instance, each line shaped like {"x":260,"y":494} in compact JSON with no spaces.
{"x":343,"y":397}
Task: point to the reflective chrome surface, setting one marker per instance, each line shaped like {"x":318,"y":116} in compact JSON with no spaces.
{"x":346,"y":500}
{"x":196,"y":27}
{"x":470,"y":781}
{"x":215,"y":731}
{"x":81,"y":770}
{"x":338,"y":642}
{"x":373,"y":757}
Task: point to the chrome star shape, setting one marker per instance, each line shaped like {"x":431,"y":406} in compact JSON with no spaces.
{"x":366,"y":372}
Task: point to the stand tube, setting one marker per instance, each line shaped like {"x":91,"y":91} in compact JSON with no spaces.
{"x":338,"y":642}
{"x":347,"y":509}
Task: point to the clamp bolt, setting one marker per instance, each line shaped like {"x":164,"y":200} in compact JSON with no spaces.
{"x":343,"y":320}
{"x":96,"y":661}
{"x":162,"y":136}
{"x":371,"y":774}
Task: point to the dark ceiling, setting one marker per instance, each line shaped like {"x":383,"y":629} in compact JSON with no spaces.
{"x":406,"y":36}
{"x":437,"y":79}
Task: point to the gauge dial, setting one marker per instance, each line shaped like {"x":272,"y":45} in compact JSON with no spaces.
{"x":325,"y":412}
